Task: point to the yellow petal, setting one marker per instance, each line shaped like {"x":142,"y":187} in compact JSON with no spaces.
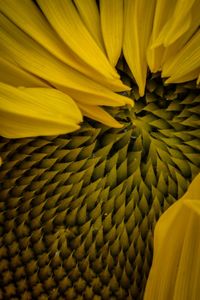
{"x":185,"y":62}
{"x":136,"y":37}
{"x":39,"y":29}
{"x":111,"y":13}
{"x":175,"y":47}
{"x":178,"y":24}
{"x":188,"y":77}
{"x":28,"y":112}
{"x":99,"y":114}
{"x":163,"y":12}
{"x":12,"y":74}
{"x":161,"y":39}
{"x":176,"y":263}
{"x":30,"y":56}
{"x":66,"y":21}
{"x":89,"y":13}
{"x":102,"y":96}
{"x":36,"y":26}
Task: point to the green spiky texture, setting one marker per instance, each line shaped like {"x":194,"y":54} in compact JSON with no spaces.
{"x":77,"y":212}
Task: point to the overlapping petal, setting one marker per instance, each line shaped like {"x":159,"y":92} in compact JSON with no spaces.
{"x":14,"y":75}
{"x":40,"y":30}
{"x":174,"y":25}
{"x":26,"y":112}
{"x":20,"y":48}
{"x":66,"y":21}
{"x":163,"y":12}
{"x":185,"y":62}
{"x":89,"y":13}
{"x":178,"y":23}
{"x":99,"y":114}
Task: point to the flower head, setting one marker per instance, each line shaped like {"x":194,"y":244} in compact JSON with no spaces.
{"x":119,"y":80}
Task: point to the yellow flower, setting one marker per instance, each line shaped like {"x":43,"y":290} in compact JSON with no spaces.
{"x":77,"y":211}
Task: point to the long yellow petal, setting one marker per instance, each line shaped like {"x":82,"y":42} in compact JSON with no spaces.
{"x":39,"y":29}
{"x":28,"y":112}
{"x":192,"y":75}
{"x":138,"y":25}
{"x":36,"y":26}
{"x":35,"y":59}
{"x":111,"y":13}
{"x":175,"y":272}
{"x":101,"y":96}
{"x":163,"y":12}
{"x":172,"y":50}
{"x":186,"y":61}
{"x":99,"y":114}
{"x":66,"y":21}
{"x":89,"y":13}
{"x":178,"y":24}
{"x":13,"y":75}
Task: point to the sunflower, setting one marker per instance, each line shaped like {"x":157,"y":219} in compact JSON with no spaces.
{"x":99,"y":125}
